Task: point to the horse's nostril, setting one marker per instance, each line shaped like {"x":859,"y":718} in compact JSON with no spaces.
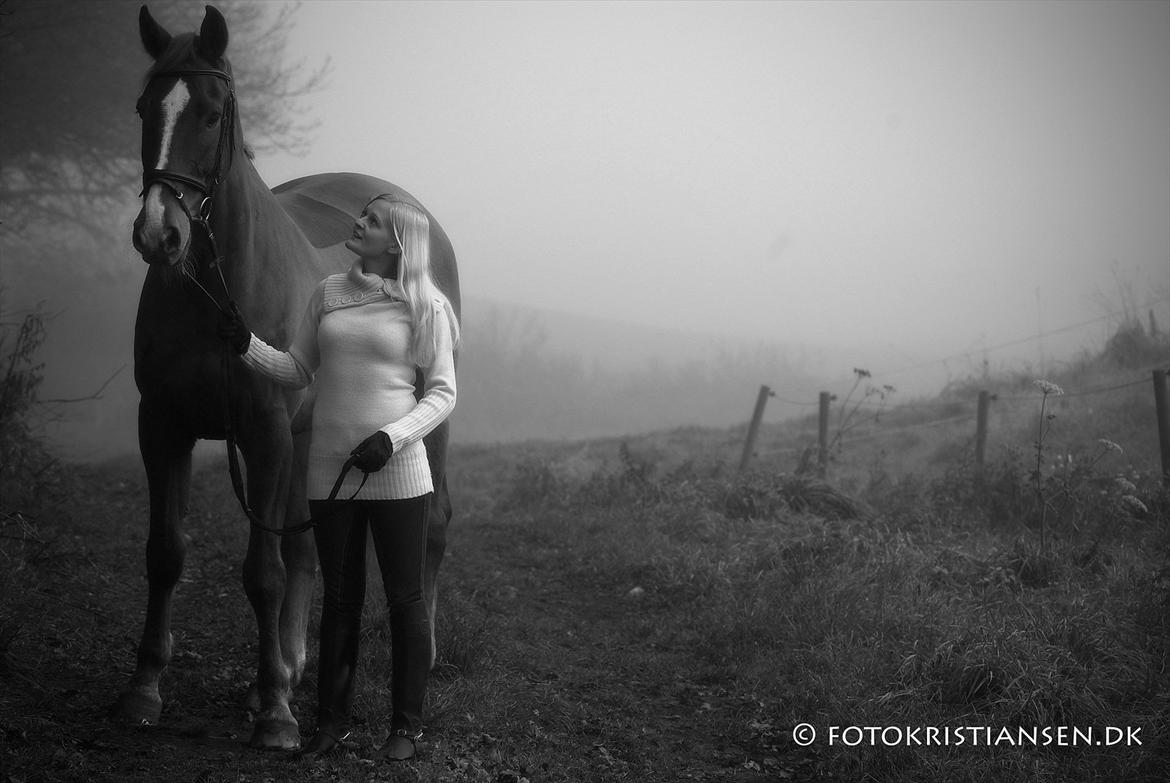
{"x":171,"y":238}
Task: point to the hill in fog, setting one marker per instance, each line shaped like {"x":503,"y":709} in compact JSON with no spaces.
{"x":533,"y":373}
{"x":524,"y":372}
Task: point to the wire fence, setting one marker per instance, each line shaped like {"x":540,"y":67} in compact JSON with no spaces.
{"x":1123,"y":315}
{"x":867,"y":404}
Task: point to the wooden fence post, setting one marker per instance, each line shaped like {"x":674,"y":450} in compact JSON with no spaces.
{"x":981,"y":431}
{"x":754,"y":428}
{"x":823,"y":434}
{"x":1162,"y":409}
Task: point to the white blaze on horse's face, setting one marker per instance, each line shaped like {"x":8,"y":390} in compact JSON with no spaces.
{"x":162,"y":231}
{"x":172,"y":107}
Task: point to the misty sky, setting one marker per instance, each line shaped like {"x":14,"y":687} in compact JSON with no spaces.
{"x":931,"y":176}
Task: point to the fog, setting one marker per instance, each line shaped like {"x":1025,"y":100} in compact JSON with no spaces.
{"x":930,"y":176}
{"x":912,"y":188}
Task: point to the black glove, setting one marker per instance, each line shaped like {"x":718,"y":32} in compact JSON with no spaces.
{"x":372,"y":454}
{"x":234,"y":329}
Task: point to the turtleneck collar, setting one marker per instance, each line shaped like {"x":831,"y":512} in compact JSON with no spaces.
{"x":357,"y":287}
{"x":368,"y":283}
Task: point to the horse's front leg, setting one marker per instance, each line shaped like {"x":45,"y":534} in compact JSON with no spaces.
{"x":167,"y":460}
{"x":300,"y":557}
{"x":267,"y":448}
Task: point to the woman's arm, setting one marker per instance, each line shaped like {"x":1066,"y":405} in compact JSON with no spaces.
{"x":438,"y":398}
{"x":295,"y":367}
{"x":278,"y":365}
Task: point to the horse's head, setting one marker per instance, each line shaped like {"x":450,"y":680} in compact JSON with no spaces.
{"x":188,"y":127}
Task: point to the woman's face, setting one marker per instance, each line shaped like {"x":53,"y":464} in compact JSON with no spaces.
{"x":373,"y":236}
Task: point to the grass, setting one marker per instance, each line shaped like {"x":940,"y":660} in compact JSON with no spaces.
{"x":866,"y":621}
{"x":628,"y":609}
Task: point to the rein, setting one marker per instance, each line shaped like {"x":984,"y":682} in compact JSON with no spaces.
{"x":237,"y":475}
{"x":202,"y":218}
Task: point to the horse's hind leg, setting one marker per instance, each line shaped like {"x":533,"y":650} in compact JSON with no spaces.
{"x":167,"y":459}
{"x":267,"y":448}
{"x":299,"y":554}
{"x":440,"y":517}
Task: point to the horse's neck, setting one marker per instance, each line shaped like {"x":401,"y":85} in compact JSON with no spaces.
{"x":268,"y":262}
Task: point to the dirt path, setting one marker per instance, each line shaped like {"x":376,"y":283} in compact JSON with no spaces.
{"x":562,"y":684}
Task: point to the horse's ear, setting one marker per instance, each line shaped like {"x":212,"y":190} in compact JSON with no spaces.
{"x":213,"y":36}
{"x":154,"y":38}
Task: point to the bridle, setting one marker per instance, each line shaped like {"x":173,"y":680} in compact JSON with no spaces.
{"x":225,"y":149}
{"x":201,"y":216}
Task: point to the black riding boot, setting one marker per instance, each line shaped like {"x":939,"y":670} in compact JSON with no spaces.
{"x":399,"y":530}
{"x":341,"y":550}
{"x":410,"y":637}
{"x":336,"y":665}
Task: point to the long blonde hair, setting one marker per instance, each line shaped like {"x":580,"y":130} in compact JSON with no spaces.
{"x":412,"y":230}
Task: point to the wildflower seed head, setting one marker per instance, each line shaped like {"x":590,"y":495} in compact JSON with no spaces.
{"x":1109,"y":445}
{"x":1048,"y":387}
{"x":1124,"y":484}
{"x":1134,"y":505}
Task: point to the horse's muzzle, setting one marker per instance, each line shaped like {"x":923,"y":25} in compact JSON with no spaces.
{"x":161,"y":242}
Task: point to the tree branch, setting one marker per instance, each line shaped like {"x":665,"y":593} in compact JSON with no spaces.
{"x":95,"y":396}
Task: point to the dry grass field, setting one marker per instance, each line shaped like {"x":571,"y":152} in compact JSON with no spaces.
{"x":630,"y":609}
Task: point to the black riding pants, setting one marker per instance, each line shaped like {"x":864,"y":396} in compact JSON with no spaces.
{"x":399,"y":531}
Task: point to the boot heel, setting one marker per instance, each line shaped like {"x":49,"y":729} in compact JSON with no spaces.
{"x":323,"y":744}
{"x":401,"y":745}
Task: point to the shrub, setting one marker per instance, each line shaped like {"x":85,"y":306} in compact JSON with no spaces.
{"x":23,"y":459}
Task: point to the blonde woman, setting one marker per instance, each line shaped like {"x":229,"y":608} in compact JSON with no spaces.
{"x":363,"y":336}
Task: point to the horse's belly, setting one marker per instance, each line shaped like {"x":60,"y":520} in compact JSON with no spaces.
{"x":187,"y":393}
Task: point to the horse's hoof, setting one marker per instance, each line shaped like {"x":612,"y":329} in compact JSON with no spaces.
{"x":276,"y":735}
{"x":138,"y":707}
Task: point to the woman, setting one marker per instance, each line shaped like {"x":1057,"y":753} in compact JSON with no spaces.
{"x":362,"y":337}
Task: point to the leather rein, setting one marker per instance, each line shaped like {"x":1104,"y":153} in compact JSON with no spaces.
{"x":201,"y":216}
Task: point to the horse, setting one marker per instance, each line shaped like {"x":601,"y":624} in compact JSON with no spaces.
{"x":212,"y":234}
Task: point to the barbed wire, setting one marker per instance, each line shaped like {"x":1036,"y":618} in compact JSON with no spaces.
{"x":1010,"y":343}
{"x":913,"y":406}
{"x":1082,"y":393}
{"x":842,"y":442}
{"x":941,"y":405}
{"x":906,"y":428}
{"x":1030,"y":397}
{"x":884,"y":432}
{"x":847,"y":406}
{"x":794,"y":402}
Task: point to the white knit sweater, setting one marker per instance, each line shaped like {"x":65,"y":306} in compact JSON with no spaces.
{"x":353,"y":345}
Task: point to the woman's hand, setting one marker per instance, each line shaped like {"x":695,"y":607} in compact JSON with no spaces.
{"x":234,"y":329}
{"x":372,"y":454}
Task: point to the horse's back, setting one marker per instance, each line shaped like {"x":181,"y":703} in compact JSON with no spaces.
{"x":324,"y":207}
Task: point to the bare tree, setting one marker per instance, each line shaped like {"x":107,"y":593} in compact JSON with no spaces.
{"x":70,"y":73}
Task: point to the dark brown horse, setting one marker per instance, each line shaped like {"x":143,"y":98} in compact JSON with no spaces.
{"x":202,"y":194}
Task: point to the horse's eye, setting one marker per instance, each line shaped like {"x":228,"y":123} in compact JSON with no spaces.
{"x":213,"y":120}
